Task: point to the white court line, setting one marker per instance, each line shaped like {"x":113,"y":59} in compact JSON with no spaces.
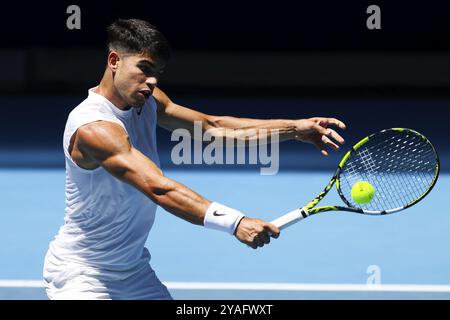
{"x":305,"y":287}
{"x":261,"y":286}
{"x":21,"y":284}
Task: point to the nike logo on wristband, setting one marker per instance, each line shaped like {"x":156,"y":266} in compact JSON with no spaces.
{"x":217,"y":214}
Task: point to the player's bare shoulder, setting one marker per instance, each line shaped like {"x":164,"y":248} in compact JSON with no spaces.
{"x":96,"y":141}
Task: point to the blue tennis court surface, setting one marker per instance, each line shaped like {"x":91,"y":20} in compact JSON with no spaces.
{"x":407,"y":248}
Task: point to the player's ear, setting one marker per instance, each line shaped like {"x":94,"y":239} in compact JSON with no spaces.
{"x":113,"y":60}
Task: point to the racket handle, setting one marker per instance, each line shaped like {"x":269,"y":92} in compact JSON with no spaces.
{"x":290,"y":218}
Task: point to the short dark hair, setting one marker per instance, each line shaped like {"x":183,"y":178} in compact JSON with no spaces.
{"x":138,"y":36}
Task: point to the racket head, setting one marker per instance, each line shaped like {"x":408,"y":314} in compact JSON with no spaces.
{"x":401,"y":164}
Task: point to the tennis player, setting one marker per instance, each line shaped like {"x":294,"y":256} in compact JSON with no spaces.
{"x":113,"y":179}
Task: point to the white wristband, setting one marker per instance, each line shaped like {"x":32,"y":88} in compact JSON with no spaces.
{"x":222,"y":218}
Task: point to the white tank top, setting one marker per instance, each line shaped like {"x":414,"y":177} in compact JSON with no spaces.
{"x":106,"y":221}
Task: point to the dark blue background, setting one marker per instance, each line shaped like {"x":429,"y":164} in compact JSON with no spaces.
{"x":238,"y":25}
{"x":34,"y":118}
{"x":37,"y":123}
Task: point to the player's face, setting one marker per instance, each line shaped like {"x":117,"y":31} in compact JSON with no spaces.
{"x":136,"y":77}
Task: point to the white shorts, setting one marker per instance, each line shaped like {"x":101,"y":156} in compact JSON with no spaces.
{"x":142,"y":285}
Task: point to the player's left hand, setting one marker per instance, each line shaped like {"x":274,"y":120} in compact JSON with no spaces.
{"x":316,"y":131}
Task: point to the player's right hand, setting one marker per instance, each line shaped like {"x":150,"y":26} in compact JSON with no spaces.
{"x":255,"y":232}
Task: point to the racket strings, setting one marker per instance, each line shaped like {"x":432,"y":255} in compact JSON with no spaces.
{"x":395,"y":165}
{"x":400,"y":165}
{"x":402,"y":162}
{"x":368,"y":167}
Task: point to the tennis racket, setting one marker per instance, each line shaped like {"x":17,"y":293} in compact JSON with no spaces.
{"x":401,"y":164}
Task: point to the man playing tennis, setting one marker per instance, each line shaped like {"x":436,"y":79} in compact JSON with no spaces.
{"x":113,"y":179}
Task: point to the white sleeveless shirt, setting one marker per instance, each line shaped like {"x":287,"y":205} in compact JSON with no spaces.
{"x":106,"y":220}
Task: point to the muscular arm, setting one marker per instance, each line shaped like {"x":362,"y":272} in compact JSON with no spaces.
{"x":172,"y":116}
{"x":106,"y":144}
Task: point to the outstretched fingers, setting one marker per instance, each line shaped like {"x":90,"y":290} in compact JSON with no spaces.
{"x":322,"y":147}
{"x":329,"y":138}
{"x":329,"y":121}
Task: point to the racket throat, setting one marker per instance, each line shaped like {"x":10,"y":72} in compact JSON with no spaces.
{"x":304,"y":212}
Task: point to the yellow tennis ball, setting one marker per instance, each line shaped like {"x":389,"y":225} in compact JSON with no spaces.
{"x":362,"y":192}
